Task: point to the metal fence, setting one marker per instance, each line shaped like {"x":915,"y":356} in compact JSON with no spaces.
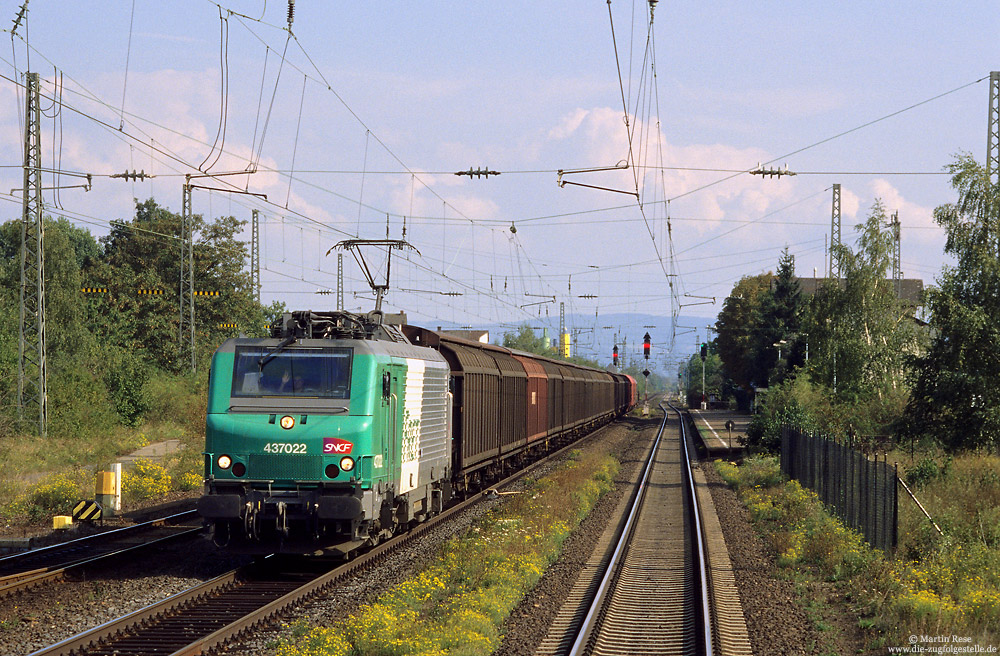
{"x":861,"y":492}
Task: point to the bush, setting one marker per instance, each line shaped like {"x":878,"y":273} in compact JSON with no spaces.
{"x":780,"y":407}
{"x":55,"y":495}
{"x":189,"y":481}
{"x":126,"y":376}
{"x":922,"y":473}
{"x":146,"y":480}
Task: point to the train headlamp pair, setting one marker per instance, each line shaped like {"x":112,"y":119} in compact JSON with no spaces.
{"x":225,"y":462}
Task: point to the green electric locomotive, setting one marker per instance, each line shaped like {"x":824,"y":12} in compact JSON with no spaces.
{"x":334,"y":432}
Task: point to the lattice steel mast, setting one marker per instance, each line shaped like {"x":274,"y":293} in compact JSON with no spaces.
{"x":185,"y":324}
{"x":993,"y":132}
{"x":993,"y":135}
{"x":255,"y":254}
{"x":835,"y":233}
{"x":340,"y":281}
{"x":31,"y":376}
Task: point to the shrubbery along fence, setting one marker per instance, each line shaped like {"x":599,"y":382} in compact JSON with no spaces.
{"x":861,"y":492}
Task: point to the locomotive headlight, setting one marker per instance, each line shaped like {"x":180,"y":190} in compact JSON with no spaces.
{"x":224,"y":462}
{"x":287,"y":422}
{"x":346,"y":463}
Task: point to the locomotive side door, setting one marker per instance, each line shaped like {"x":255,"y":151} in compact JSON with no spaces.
{"x":392,"y":421}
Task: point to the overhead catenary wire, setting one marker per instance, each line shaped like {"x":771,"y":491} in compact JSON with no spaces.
{"x":652,"y":221}
{"x":128,"y":56}
{"x":220,"y":132}
{"x":152,"y":143}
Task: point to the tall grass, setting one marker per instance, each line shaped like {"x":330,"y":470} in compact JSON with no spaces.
{"x":31,"y":467}
{"x":457,"y":604}
{"x":936,"y":585}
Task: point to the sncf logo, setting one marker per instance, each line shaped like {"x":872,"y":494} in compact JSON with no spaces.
{"x":336,"y":445}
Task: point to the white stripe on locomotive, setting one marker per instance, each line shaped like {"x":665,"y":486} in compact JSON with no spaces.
{"x":424,"y":441}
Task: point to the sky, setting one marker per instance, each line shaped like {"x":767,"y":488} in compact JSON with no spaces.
{"x":353,"y":124}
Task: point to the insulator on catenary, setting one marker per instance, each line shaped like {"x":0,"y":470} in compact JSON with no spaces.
{"x":291,"y":13}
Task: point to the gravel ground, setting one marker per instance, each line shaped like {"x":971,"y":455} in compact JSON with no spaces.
{"x":37,"y":618}
{"x":776,"y":621}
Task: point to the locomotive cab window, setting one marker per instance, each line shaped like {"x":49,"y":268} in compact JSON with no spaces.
{"x":298,"y":373}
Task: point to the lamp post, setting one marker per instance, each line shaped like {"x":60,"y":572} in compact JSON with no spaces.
{"x":778,"y":344}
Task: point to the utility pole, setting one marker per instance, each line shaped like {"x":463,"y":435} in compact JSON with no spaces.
{"x":704,"y":395}
{"x":835,"y":233}
{"x":255,"y":254}
{"x":32,"y":387}
{"x":897,"y":273}
{"x":185,"y":326}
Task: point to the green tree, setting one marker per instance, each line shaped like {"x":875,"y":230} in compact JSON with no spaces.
{"x":525,"y":339}
{"x":955,"y":398}
{"x":734,"y":329}
{"x":77,"y":397}
{"x":144,"y":254}
{"x":860,"y":333}
{"x":778,"y":320}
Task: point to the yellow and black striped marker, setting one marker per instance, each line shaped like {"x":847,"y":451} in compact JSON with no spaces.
{"x":155,"y":292}
{"x":94,"y":290}
{"x":87,"y":511}
{"x":232,"y":326}
{"x":206,"y":293}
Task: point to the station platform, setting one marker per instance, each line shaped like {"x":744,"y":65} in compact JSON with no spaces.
{"x":720,"y":437}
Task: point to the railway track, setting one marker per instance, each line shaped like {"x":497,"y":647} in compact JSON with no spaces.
{"x":644,"y":590}
{"x":210,"y":615}
{"x":48,"y":564}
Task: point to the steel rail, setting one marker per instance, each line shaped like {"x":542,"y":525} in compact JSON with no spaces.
{"x":626,"y":532}
{"x":34,"y":578}
{"x":605,"y":597}
{"x":706,"y":611}
{"x":268,"y":608}
{"x":11,"y":561}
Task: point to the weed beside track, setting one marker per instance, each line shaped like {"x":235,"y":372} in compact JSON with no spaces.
{"x":459,"y":601}
{"x":948,"y":586}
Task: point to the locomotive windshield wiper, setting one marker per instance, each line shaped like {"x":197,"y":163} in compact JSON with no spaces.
{"x":273,"y":352}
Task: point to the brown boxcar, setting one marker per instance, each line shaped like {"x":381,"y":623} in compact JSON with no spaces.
{"x":554,"y":382}
{"x":538,"y":395}
{"x":505,"y":401}
{"x":489,"y":388}
{"x":513,"y":401}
